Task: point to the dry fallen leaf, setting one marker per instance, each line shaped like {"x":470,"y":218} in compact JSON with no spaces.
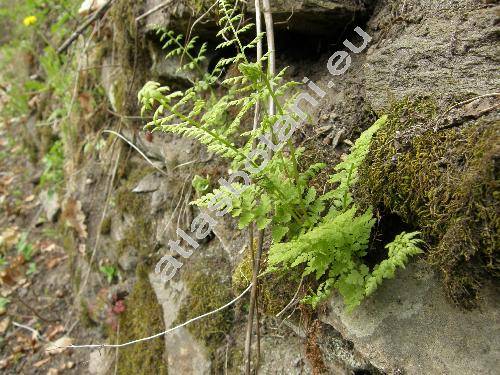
{"x":51,"y":263}
{"x":54,"y":331}
{"x":48,"y":246}
{"x":30,"y":198}
{"x":9,"y":238}
{"x":13,"y":273}
{"x":4,"y":324}
{"x":74,"y":217}
{"x":4,"y":183}
{"x":58,"y":346}
{"x":41,"y":363}
{"x":4,"y":363}
{"x":53,"y":371}
{"x":82,"y":248}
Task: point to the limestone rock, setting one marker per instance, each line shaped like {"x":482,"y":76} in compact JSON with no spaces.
{"x":148,"y":184}
{"x":432,"y":47}
{"x":50,"y":203}
{"x":311,"y":17}
{"x":409,"y":325}
{"x":185,"y":355}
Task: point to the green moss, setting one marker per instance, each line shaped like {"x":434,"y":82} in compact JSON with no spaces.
{"x":275,"y":290}
{"x":106,"y":225}
{"x":140,"y":236}
{"x":444,"y":182}
{"x":207,"y":291}
{"x":129,"y":47}
{"x":242,"y":274}
{"x":129,"y":202}
{"x":85,"y":316}
{"x":143,"y":317}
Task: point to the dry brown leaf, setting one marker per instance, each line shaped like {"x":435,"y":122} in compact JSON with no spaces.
{"x":74,"y":216}
{"x":9,"y":238}
{"x":4,"y":324}
{"x":14,"y":273}
{"x":85,"y":101}
{"x":59,"y":346}
{"x":54,"y":262}
{"x":30,"y":198}
{"x":46,"y":246}
{"x":82,"y":248}
{"x":4,"y":363}
{"x":41,"y":363}
{"x":54,"y":331}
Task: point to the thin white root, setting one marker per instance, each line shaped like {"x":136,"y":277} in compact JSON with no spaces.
{"x":137,"y":149}
{"x":99,"y":346}
{"x":34,"y":331}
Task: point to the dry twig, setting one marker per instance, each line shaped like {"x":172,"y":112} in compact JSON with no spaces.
{"x":97,"y":15}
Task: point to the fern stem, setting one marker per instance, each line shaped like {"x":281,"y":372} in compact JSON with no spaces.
{"x":282,"y":113}
{"x":222,"y":140}
{"x":233,"y":30}
{"x":196,"y":124}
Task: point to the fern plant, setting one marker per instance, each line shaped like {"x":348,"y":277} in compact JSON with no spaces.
{"x":326,"y":234}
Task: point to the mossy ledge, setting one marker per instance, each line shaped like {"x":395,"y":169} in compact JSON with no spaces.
{"x":444,"y":182}
{"x":143,"y":317}
{"x":207,"y":291}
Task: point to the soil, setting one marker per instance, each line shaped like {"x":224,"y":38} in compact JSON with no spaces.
{"x":39,"y":291}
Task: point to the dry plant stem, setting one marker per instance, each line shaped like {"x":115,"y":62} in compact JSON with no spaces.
{"x":257,"y":328}
{"x":248,"y":336}
{"x":292,"y":301}
{"x":188,"y":36}
{"x":97,"y":15}
{"x":98,"y":236}
{"x":137,"y":149}
{"x":253,"y":298}
{"x":117,"y":349}
{"x":470,"y":101}
{"x":35,"y":312}
{"x":271,"y":48}
{"x":155,"y":9}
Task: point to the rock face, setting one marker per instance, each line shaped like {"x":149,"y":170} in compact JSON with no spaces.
{"x":410,"y":326}
{"x":311,"y":17}
{"x":442,"y":48}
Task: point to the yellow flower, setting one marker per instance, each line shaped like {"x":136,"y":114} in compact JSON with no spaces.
{"x":30,"y":20}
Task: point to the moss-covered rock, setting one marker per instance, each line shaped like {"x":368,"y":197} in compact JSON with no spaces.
{"x":208,"y":289}
{"x":140,"y":235}
{"x":276,"y":290}
{"x":143,"y":317}
{"x":444,"y":182}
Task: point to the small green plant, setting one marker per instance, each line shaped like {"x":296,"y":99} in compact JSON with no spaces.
{"x":110,"y":272}
{"x":4,"y":303}
{"x":24,"y":248}
{"x":200,"y":184}
{"x":31,"y":268}
{"x":53,"y":161}
{"x":325,"y":233}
